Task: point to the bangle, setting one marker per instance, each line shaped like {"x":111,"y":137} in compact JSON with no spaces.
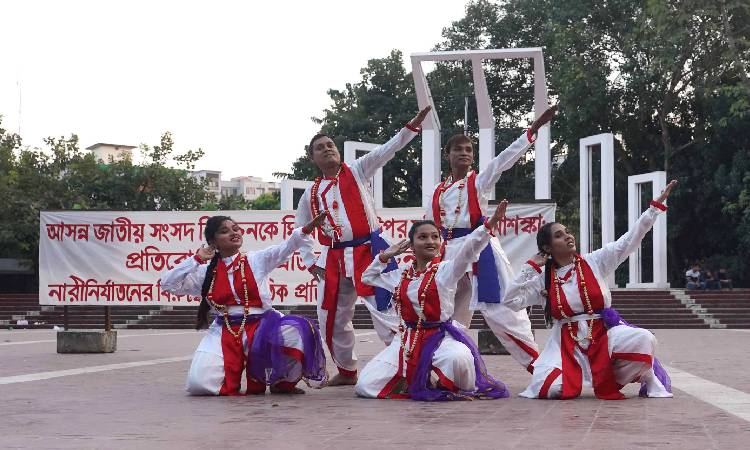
{"x":380,"y":258}
{"x":414,"y":129}
{"x":658,"y":205}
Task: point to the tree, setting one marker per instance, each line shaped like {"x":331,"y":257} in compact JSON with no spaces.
{"x":374,"y":110}
{"x":269,"y":200}
{"x":61,"y":177}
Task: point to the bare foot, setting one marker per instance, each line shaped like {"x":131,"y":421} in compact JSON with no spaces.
{"x":341,"y":380}
{"x":294,"y":390}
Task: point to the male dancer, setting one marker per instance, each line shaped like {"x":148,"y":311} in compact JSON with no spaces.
{"x":350,"y":238}
{"x":457,"y":208}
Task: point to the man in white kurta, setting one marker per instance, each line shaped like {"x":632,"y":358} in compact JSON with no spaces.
{"x":351,"y":225}
{"x":457,"y":207}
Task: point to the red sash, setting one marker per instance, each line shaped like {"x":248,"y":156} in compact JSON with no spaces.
{"x":222,"y":293}
{"x":352,"y":199}
{"x":603,"y":376}
{"x":475,"y":210}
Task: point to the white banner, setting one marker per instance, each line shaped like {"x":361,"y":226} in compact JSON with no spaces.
{"x":117,"y":258}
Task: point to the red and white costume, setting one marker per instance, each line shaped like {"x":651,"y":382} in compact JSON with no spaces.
{"x":456,"y":208}
{"x":347,"y":236}
{"x":220,"y":358}
{"x":617,"y":356}
{"x":389,"y":374}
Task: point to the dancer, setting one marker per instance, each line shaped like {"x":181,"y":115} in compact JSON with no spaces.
{"x":350,"y":237}
{"x":589,"y":343}
{"x":457,"y":205}
{"x":433,"y":358}
{"x":278,"y":350}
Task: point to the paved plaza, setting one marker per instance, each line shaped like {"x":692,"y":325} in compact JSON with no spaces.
{"x":134,"y":398}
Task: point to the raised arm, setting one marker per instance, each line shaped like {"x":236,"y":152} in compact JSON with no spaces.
{"x":487,"y":178}
{"x":526,"y":289}
{"x":613,"y":254}
{"x":187,"y":277}
{"x":374,"y":275}
{"x":472,"y":245}
{"x":264,"y":261}
{"x":374,"y":160}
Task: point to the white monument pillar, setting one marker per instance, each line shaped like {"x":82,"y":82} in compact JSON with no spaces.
{"x":376,"y":183}
{"x":431,"y":125}
{"x":606,"y":143}
{"x":658,"y":182}
{"x":287,"y":192}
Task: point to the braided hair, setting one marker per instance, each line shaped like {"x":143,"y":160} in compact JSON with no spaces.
{"x":544,"y":238}
{"x":212,"y":227}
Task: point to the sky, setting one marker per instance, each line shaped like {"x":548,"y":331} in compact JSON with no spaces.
{"x":238,"y":79}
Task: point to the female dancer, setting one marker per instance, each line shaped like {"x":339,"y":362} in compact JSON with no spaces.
{"x":589,"y":343}
{"x":278,"y":350}
{"x":457,"y":205}
{"x":432,"y":357}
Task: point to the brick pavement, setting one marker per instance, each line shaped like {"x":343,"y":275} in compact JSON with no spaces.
{"x":145,"y":407}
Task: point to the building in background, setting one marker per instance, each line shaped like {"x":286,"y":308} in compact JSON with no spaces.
{"x":249,"y":188}
{"x":115,"y":152}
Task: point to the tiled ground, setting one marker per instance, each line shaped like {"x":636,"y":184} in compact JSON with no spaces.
{"x":145,"y":406}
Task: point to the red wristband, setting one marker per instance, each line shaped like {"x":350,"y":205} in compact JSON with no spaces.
{"x":380,"y":258}
{"x":409,"y":127}
{"x":530,"y":136}
{"x":198,"y":258}
{"x":658,"y":205}
{"x":534,"y":265}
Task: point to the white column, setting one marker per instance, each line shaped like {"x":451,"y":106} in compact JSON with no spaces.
{"x":606,"y":144}
{"x":376,"y":183}
{"x":287,"y":192}
{"x":485,"y":116}
{"x":658,"y":180}
{"x":542,"y":154}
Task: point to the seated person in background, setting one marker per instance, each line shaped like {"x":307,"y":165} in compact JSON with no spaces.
{"x":723,"y":277}
{"x":693,"y":278}
{"x":710,"y":280}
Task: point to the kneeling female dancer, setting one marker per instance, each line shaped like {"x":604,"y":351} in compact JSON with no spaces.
{"x":278,"y":350}
{"x":432,"y":357}
{"x":589,"y":344}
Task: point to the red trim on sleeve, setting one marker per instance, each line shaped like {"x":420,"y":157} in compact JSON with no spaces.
{"x":530,"y":136}
{"x":198,"y":258}
{"x":409,"y":127}
{"x":534,"y":265}
{"x":658,"y":205}
{"x":380,"y":258}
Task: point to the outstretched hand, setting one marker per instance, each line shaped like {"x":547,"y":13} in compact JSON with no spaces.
{"x":499,"y":214}
{"x":543,"y":119}
{"x":395,"y":249}
{"x":315,"y":223}
{"x":417,"y":120}
{"x":667,"y":190}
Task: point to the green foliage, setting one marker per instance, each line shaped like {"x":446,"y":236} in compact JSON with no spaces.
{"x":271,"y":200}
{"x":668,"y":78}
{"x":62,"y":177}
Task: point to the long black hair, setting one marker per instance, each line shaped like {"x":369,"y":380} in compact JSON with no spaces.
{"x":543,"y":239}
{"x":212,"y":227}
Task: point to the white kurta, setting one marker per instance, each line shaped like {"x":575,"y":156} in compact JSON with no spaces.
{"x":385,"y":322}
{"x":527,"y":289}
{"x":512,"y":328}
{"x":206,"y":374}
{"x":452,"y":360}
